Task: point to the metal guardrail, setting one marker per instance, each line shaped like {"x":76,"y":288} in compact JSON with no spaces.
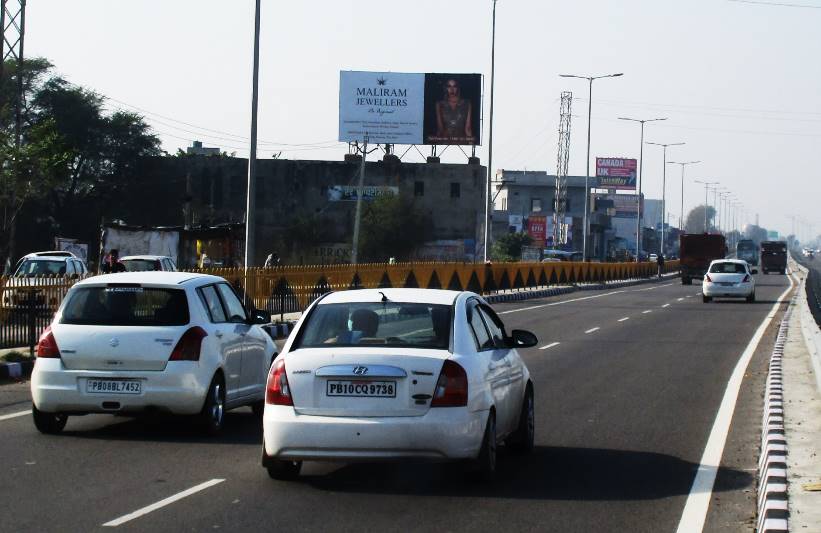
{"x":28,"y":304}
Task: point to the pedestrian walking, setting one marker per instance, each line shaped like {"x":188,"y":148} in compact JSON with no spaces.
{"x":660,"y":261}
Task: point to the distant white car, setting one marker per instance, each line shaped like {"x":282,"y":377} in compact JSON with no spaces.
{"x":150,"y":341}
{"x":653,"y":258}
{"x":729,"y":278}
{"x":145,"y":263}
{"x":38,"y":276}
{"x":398,"y":373}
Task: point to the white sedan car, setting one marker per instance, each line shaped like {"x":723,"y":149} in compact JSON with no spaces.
{"x":145,"y":263}
{"x":729,"y":278}
{"x":398,"y":373}
{"x":150,"y":341}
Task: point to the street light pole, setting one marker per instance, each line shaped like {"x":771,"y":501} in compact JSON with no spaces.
{"x":664,"y":191}
{"x":250,"y":207}
{"x":681,"y":213}
{"x":587,"y":173}
{"x":706,"y":187}
{"x":490,"y":139}
{"x":641,"y":166}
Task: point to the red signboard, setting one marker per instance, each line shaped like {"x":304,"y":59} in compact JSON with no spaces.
{"x":616,"y":173}
{"x":537,"y":229}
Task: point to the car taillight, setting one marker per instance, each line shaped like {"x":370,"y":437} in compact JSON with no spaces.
{"x":746,"y":278}
{"x":47,"y":345}
{"x":452,"y":386}
{"x":277,"y":391}
{"x":707,"y":278}
{"x":188,"y":347}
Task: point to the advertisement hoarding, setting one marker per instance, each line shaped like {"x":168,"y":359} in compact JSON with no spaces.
{"x":624,"y":205}
{"x":347,"y":193}
{"x":410,"y":108}
{"x":537,"y":228}
{"x":616,"y":173}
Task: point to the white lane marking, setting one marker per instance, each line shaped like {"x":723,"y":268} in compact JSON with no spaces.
{"x":14,"y":415}
{"x":689,"y":296}
{"x":559,"y":303}
{"x":680,"y":299}
{"x":551,"y":345}
{"x":162,"y":503}
{"x":591,"y":330}
{"x":654,"y":287}
{"x":648,"y":311}
{"x":623,"y":319}
{"x":665,"y":305}
{"x":698,"y":501}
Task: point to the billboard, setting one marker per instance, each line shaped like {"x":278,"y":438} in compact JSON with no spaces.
{"x":624,"y":205}
{"x":409,"y":108}
{"x":537,"y":229}
{"x":347,"y":193}
{"x":616,"y":173}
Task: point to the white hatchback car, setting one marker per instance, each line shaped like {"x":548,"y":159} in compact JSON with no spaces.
{"x":729,"y":278}
{"x":397,"y":373}
{"x":146,"y":263}
{"x":150,"y":341}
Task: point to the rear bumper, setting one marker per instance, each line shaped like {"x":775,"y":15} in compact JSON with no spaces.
{"x":179,"y":389}
{"x":440,"y":434}
{"x":717,"y":291}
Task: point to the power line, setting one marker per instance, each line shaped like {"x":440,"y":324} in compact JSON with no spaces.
{"x":774,"y":4}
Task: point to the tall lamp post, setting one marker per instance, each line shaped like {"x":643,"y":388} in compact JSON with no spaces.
{"x":664,"y":190}
{"x":681,"y":213}
{"x":707,"y":185}
{"x":641,"y":165}
{"x":490,"y":139}
{"x":587,"y":173}
{"x":250,"y":206}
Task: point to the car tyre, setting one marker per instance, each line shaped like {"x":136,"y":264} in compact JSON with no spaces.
{"x":686,"y":281}
{"x":258,"y":408}
{"x":212,"y":416}
{"x":751,"y":298}
{"x":279,"y":469}
{"x":706,"y":299}
{"x":485,"y":464}
{"x":521,"y":440}
{"x":48,"y":423}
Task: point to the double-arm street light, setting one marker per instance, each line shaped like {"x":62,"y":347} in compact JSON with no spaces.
{"x":587,"y":173}
{"x":641,"y":165}
{"x":707,"y":185}
{"x":664,"y":190}
{"x":683,"y":164}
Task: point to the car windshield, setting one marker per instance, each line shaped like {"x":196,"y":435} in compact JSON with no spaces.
{"x":124,"y":305}
{"x":41,"y":267}
{"x":728,"y":268}
{"x":141,"y":265}
{"x":409,"y":325}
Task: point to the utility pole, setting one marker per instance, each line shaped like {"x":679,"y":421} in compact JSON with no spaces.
{"x":683,"y":164}
{"x":250,"y":207}
{"x":664,"y":190}
{"x":587,"y":172}
{"x":360,"y":191}
{"x":562,"y":160}
{"x":640,"y":180}
{"x":488,"y":234}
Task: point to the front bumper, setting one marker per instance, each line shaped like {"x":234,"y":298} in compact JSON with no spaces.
{"x":179,"y":389}
{"x":741,"y":290}
{"x":442,"y":433}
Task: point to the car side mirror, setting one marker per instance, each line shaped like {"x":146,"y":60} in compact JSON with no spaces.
{"x":520,"y":338}
{"x":755,"y":271}
{"x":260,"y":317}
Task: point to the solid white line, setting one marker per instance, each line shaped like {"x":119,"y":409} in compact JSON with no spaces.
{"x":698,"y":501}
{"x":654,"y":287}
{"x":551,"y":345}
{"x":666,"y":305}
{"x":162,"y":503}
{"x":559,"y":303}
{"x":648,"y":311}
{"x":623,"y":319}
{"x":14,"y":415}
{"x":591,"y":330}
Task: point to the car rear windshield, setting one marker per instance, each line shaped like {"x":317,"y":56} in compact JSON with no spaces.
{"x":141,"y":265}
{"x":728,"y":268}
{"x":126,"y":306}
{"x":406,"y":325}
{"x":41,"y":267}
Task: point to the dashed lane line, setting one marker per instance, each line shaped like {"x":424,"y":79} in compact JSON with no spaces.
{"x":14,"y":415}
{"x":654,"y":287}
{"x":162,"y":503}
{"x":623,"y":319}
{"x":560,"y":303}
{"x":681,"y":299}
{"x":665,"y":305}
{"x":591,"y":330}
{"x":647,"y":311}
{"x":551,"y":345}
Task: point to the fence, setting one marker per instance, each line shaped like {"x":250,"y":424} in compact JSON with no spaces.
{"x":29,"y":303}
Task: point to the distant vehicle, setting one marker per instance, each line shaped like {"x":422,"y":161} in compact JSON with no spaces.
{"x":653,"y":258}
{"x":394,"y":374}
{"x":697,"y":251}
{"x":729,"y":278}
{"x":54,"y":263}
{"x":150,"y":342}
{"x":561,"y":255}
{"x":145,"y":263}
{"x":748,"y":251}
{"x":774,"y":257}
{"x":36,"y":272}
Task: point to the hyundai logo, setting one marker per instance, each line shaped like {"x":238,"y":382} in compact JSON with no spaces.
{"x":360,"y":370}
{"x":114,"y":342}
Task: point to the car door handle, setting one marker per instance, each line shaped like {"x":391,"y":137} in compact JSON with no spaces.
{"x":218,"y":334}
{"x":494,"y":366}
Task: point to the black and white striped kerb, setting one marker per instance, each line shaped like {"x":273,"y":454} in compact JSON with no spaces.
{"x":773,"y":508}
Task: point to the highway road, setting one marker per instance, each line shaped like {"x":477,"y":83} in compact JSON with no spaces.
{"x":628,"y":385}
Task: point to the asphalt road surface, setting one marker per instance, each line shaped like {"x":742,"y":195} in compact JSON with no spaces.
{"x":628,"y":384}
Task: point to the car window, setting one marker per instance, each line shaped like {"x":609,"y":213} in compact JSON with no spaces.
{"x":126,"y":305}
{"x":236,"y":312}
{"x":212,"y":303}
{"x":728,"y":268}
{"x":70,"y":268}
{"x":495,"y":326}
{"x":41,"y":267}
{"x":477,"y":325}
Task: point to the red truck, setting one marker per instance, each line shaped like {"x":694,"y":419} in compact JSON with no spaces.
{"x":697,"y":251}
{"x":774,"y":257}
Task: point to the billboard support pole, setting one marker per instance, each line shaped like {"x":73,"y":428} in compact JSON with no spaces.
{"x":359,"y":191}
{"x":250,"y":210}
{"x":490,"y":136}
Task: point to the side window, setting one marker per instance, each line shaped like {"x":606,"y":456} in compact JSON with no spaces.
{"x":212,"y":303}
{"x":69,"y":268}
{"x":495,"y":325}
{"x":477,"y":325}
{"x":236,"y":313}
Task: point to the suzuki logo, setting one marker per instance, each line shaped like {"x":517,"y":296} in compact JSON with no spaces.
{"x":114,"y":342}
{"x":360,"y":370}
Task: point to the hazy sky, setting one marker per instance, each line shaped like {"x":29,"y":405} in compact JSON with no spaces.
{"x":738,"y":81}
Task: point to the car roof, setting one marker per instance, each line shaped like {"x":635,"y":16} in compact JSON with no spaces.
{"x":55,"y":258}
{"x":738,"y":261}
{"x":429,"y":296}
{"x":147,"y":257}
{"x":153,"y":277}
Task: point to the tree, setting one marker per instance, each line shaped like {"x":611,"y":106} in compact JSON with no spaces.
{"x":695,"y":220}
{"x":509,"y":247}
{"x":392,"y":226}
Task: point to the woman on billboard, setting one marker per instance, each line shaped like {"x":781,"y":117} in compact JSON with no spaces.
{"x":453,"y":115}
